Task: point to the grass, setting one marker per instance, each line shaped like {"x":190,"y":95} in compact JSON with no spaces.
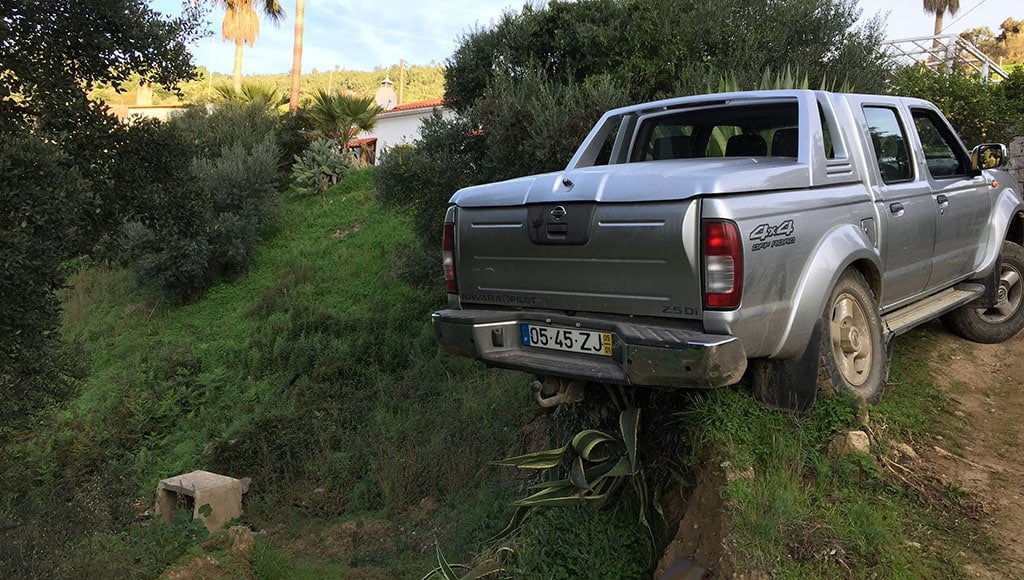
{"x":316,"y":374}
{"x":808,"y":512}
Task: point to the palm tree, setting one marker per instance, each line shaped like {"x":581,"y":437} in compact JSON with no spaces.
{"x":342,"y":117}
{"x":265,"y":96}
{"x":939,"y":8}
{"x":242,"y":26}
{"x":293,"y":101}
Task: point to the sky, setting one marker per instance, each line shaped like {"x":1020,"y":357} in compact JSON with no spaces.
{"x":365,"y":35}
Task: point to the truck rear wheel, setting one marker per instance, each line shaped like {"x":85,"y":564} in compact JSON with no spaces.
{"x":1004,"y":319}
{"x":852,"y":351}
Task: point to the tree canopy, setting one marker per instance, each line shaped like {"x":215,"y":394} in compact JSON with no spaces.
{"x":241,"y":25}
{"x":51,"y":49}
{"x":62,"y":191}
{"x":939,"y":8}
{"x":666,"y":47}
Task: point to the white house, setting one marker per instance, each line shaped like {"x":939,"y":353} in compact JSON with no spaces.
{"x":397,"y":125}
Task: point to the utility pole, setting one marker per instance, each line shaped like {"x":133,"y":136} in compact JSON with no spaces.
{"x":401,"y":81}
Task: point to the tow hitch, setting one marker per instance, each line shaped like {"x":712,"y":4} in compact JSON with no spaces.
{"x":553,"y":391}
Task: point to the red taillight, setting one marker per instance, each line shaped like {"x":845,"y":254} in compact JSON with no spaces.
{"x":723,"y":265}
{"x":448,"y":258}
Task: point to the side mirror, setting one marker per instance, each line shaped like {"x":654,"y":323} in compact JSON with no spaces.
{"x":989,"y":156}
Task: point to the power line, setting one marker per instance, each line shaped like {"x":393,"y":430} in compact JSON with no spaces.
{"x":962,"y":16}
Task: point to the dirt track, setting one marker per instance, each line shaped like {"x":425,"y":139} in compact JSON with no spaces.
{"x":987,"y":386}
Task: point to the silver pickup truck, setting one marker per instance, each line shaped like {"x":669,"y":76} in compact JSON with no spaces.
{"x":785,"y":234}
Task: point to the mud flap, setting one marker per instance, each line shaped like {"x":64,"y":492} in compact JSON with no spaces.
{"x":790,"y":384}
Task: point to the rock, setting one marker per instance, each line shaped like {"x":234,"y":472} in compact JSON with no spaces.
{"x":907,"y":451}
{"x":850,"y":441}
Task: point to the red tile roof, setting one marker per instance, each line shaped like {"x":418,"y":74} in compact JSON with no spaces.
{"x":430,"y":104}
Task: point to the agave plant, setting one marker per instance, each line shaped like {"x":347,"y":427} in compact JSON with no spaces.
{"x":598,"y":464}
{"x":320,"y":167}
{"x":487,"y":564}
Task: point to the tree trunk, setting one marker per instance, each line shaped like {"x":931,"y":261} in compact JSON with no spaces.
{"x":293,"y":99}
{"x":238,"y":66}
{"x":936,"y":45}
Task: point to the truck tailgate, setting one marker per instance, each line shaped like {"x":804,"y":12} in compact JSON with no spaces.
{"x":641,"y":259}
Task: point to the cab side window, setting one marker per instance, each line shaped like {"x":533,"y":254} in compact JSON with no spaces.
{"x":940,"y":147}
{"x":889,"y":141}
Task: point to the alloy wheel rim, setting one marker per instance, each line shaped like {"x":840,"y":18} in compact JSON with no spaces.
{"x":1008,"y":297}
{"x":852,"y":347}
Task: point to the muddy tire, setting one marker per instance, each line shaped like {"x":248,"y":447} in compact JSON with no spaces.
{"x":1006,"y":318}
{"x":852,"y":350}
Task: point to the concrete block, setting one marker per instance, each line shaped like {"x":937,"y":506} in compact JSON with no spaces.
{"x":198,"y":489}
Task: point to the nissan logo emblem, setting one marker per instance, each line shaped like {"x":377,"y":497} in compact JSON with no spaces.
{"x":558,"y":214}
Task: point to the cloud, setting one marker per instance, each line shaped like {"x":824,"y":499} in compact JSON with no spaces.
{"x":353,"y":36}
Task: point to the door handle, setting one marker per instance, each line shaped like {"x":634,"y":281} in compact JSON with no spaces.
{"x":896,"y":208}
{"x":942,"y":199}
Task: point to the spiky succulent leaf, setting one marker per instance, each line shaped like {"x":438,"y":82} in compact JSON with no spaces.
{"x":539,"y":460}
{"x":629,"y":424}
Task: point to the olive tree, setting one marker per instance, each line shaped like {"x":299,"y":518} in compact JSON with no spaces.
{"x":57,"y":152}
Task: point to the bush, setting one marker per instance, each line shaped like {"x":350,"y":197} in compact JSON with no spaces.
{"x":534,"y":125}
{"x":208,"y":132}
{"x":293,"y":130}
{"x":448,"y":155}
{"x":320,"y":167}
{"x":191,"y":223}
{"x":979,"y":111}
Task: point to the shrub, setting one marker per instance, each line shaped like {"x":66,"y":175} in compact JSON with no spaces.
{"x":293,"y":130}
{"x":534,"y":125}
{"x":320,"y":167}
{"x":978,"y":110}
{"x":448,"y":155}
{"x":204,"y":222}
{"x":209,"y":132}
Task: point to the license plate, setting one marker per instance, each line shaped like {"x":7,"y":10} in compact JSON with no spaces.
{"x":567,"y":339}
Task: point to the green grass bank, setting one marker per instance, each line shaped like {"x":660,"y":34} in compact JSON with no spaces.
{"x":316,"y":374}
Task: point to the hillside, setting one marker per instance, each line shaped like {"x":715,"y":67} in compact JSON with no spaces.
{"x":422,"y":82}
{"x":316,"y":375}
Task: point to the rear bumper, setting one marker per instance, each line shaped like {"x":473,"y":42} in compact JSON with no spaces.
{"x":665,"y":354}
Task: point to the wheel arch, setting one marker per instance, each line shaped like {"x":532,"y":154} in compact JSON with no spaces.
{"x":1015,"y":230}
{"x":872,"y":275}
{"x":842,"y":248}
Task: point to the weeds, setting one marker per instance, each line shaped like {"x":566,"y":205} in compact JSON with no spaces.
{"x":315,"y":373}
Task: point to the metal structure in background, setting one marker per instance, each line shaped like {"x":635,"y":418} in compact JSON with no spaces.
{"x":948,"y":52}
